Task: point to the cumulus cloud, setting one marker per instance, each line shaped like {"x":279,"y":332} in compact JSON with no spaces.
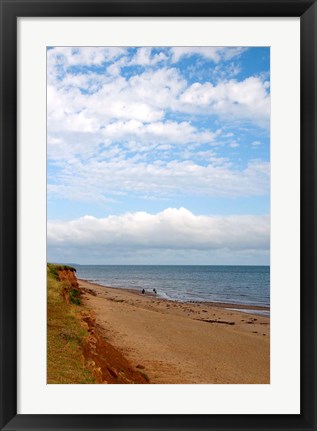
{"x":248,"y":99}
{"x":173,"y":229}
{"x":145,"y":57}
{"x":216,"y":54}
{"x":126,"y":123}
{"x":162,"y":132}
{"x":142,"y":97}
{"x":90,"y":101}
{"x":82,"y":56}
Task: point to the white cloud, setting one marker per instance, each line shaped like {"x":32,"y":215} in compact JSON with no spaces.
{"x":256,"y":143}
{"x":82,"y":56}
{"x":149,"y":134}
{"x":144,"y":57}
{"x":98,"y":103}
{"x":142,"y":97}
{"x":162,"y":179}
{"x":158,"y":88}
{"x":248,"y":99}
{"x":115,"y":68}
{"x":160,"y":132}
{"x":176,"y":229}
{"x":216,"y":54}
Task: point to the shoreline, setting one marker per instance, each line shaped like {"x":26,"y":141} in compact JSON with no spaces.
{"x":232,"y":306}
{"x":182,"y":342}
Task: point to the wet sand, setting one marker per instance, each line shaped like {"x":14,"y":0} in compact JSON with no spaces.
{"x":175,"y":342}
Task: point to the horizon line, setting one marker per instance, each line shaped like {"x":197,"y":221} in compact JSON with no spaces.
{"x":153,"y":264}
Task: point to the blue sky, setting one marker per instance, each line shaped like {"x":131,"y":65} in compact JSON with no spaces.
{"x":158,"y":155}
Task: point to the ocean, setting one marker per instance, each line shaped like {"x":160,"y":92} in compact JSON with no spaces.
{"x":249,"y":285}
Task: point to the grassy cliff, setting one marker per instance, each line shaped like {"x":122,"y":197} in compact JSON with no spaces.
{"x":77,"y":351}
{"x":65,"y":333}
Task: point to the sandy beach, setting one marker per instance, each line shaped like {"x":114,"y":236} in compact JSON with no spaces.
{"x":174,"y":342}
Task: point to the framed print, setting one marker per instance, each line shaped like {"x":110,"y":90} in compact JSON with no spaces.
{"x":158,"y":215}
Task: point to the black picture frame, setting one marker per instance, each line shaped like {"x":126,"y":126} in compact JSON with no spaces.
{"x":10,"y":11}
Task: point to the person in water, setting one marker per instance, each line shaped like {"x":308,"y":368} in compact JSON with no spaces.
{"x":154,"y":290}
{"x":143,"y":291}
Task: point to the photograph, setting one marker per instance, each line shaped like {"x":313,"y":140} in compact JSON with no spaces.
{"x":158,"y":214}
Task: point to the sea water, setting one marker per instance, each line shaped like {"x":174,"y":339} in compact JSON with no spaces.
{"x":228,"y":284}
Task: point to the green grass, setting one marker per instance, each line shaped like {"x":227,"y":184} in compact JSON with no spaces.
{"x":53,"y":269}
{"x":74,"y":296}
{"x":65,"y":363}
